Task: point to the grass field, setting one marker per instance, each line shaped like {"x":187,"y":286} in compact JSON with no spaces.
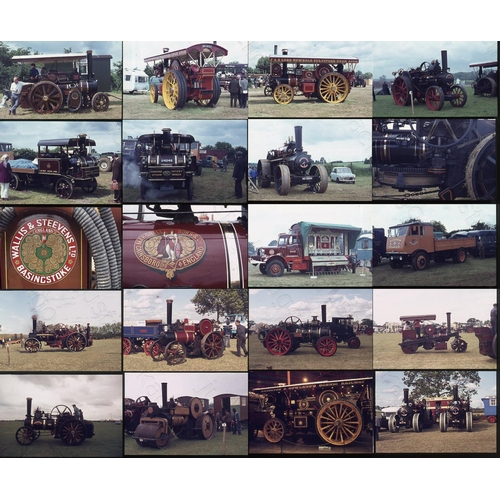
{"x":357,"y":104}
{"x":387,"y":354}
{"x":307,"y":358}
{"x":472,"y":273}
{"x":234,"y":445}
{"x":360,"y":191}
{"x":35,"y":195}
{"x":103,"y":355}
{"x":114,"y":112}
{"x":476,"y":107}
{"x":482,"y":439}
{"x":296,"y":279}
{"x":139,"y":106}
{"x":106,"y":442}
{"x":228,"y":362}
{"x":211,"y":187}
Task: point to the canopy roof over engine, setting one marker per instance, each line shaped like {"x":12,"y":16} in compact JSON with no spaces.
{"x":72,"y":143}
{"x":175,"y":138}
{"x":491,"y":64}
{"x":193,"y":53}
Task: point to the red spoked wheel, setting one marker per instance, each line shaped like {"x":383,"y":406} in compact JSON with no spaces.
{"x":326,"y":346}
{"x":278,"y":342}
{"x":147,"y":347}
{"x":212,"y":345}
{"x":434,"y":98}
{"x":127,"y":347}
{"x":401,"y":91}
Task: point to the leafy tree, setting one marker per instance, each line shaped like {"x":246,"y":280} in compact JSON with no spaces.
{"x":225,"y":146}
{"x":116,"y":76}
{"x":220,"y":302}
{"x":479,"y":225}
{"x":438,"y":226}
{"x":367,"y":322}
{"x":262,"y":65}
{"x":273,"y":243}
{"x":438,"y":383}
{"x":251,"y":248}
{"x":411,"y":221}
{"x":24,"y":153}
{"x":208,"y":146}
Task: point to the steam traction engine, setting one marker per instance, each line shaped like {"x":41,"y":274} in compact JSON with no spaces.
{"x":174,"y":341}
{"x":291,"y":165}
{"x":61,"y":422}
{"x":430,"y":84}
{"x":337,"y":410}
{"x":184,"y":417}
{"x":458,"y":414}
{"x":328,"y":79}
{"x":415,"y":334}
{"x":165,"y":160}
{"x":55,"y":88}
{"x":413,"y":414}
{"x":74,"y":340}
{"x":322,"y":335}
{"x":486,"y":84}
{"x":457,"y":156}
{"x":186,"y":75}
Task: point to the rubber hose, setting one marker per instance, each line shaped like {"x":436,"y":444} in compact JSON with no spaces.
{"x":110,"y":223}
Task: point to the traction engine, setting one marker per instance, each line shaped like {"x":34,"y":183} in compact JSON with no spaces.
{"x":413,"y":414}
{"x":458,"y":414}
{"x":184,"y":417}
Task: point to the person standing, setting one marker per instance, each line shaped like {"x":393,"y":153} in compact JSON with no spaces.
{"x":241,"y":338}
{"x":234,"y":90}
{"x":5,"y":177}
{"x":228,"y":329}
{"x":493,"y":319}
{"x":214,"y":163}
{"x":15,"y":95}
{"x":238,"y":174}
{"x":243,"y":92}
{"x":116,"y":168}
{"x":34,"y":74}
{"x":236,"y":422}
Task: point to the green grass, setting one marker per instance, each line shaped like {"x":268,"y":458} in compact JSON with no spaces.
{"x":103,"y":355}
{"x":107,"y":442}
{"x":235,"y":446}
{"x":472,"y":273}
{"x":482,"y":107}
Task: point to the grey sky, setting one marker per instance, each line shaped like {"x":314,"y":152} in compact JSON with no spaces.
{"x":99,"y":396}
{"x":96,"y":307}
{"x":347,"y":140}
{"x":274,"y":305}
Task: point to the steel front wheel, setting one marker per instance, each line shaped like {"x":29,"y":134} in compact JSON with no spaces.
{"x":278,"y":342}
{"x":401,"y":91}
{"x":486,"y":87}
{"x":459,"y":345}
{"x":480,"y":172}
{"x":468,"y":421}
{"x":175,"y":353}
{"x":322,"y":184}
{"x":434,"y":98}
{"x":153,"y":93}
{"x":326,"y":346}
{"x":156,"y":351}
{"x":353,"y":342}
{"x":45,"y":98}
{"x":212,"y":346}
{"x":416,"y":423}
{"x":333,"y":88}
{"x":391,"y":424}
{"x":174,"y":90}
{"x":73,"y":433}
{"x":127,"y":347}
{"x":206,"y":426}
{"x":147,"y":347}
{"x":339,"y":423}
{"x":25,"y":436}
{"x":443,"y":422}
{"x":100,"y":102}
{"x":282,"y":180}
{"x":408,"y":347}
{"x":274,"y":430}
{"x":64,"y":188}
{"x":32,"y":345}
{"x":283,"y":94}
{"x":75,"y":100}
{"x":459,"y":96}
{"x":90,"y":186}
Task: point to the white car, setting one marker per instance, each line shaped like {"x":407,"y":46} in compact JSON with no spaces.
{"x":342,"y":174}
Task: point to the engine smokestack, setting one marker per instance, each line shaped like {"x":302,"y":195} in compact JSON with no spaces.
{"x":323,"y":313}
{"x":167,"y":138}
{"x":169,"y":313}
{"x":275,"y":50}
{"x":444,"y":60}
{"x":298,"y":138}
{"x":448,"y":323}
{"x":405,"y":395}
{"x":164,"y":394}
{"x":33,"y":319}
{"x":90,"y":75}
{"x":28,"y":408}
{"x":455,"y":393}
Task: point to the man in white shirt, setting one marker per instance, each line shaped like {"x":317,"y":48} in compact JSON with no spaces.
{"x":15,"y":90}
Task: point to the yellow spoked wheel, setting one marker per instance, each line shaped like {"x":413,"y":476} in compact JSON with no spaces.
{"x":333,"y":88}
{"x":283,"y":94}
{"x":174,"y":90}
{"x":339,"y":422}
{"x":153,"y":93}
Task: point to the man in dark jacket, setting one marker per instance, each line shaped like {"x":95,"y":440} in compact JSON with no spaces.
{"x":116,"y":168}
{"x":234,"y":90}
{"x":240,"y":168}
{"x":241,"y":338}
{"x":236,"y":422}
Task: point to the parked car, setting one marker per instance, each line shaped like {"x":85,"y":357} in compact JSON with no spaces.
{"x":342,"y":174}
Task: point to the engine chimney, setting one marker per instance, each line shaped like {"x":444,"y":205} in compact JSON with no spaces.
{"x":298,"y":138}
{"x":34,"y":318}
{"x":164,"y":395}
{"x":90,"y":75}
{"x":448,"y":323}
{"x":167,"y":138}
{"x":323,"y":313}
{"x":444,"y":60}
{"x":169,"y":313}
{"x":455,"y":393}
{"x":28,"y":408}
{"x":405,"y":395}
{"x":275,"y":50}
